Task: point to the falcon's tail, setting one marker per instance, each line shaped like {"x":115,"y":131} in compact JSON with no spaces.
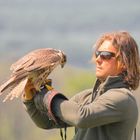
{"x":12,"y":81}
{"x":16,"y":91}
{"x":6,"y":84}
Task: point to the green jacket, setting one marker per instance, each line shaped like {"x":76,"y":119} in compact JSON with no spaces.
{"x":107,"y":112}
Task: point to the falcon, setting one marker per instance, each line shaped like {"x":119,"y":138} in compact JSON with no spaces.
{"x":36,"y":66}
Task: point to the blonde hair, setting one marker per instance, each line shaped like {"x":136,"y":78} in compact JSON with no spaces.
{"x":128,"y":54}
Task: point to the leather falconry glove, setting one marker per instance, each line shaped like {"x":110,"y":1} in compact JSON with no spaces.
{"x":29,"y":90}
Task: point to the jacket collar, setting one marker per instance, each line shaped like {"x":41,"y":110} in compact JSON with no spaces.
{"x":109,"y":83}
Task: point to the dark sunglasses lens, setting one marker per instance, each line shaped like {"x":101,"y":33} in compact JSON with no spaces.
{"x":105,"y":55}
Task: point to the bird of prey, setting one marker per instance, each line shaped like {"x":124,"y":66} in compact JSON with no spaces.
{"x":36,"y":65}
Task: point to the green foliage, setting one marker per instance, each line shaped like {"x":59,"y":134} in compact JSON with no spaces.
{"x":78,"y":80}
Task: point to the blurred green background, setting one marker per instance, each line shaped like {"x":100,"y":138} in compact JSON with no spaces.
{"x":72,"y":26}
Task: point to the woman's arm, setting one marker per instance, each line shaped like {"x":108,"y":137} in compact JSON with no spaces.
{"x":36,"y":111}
{"x":110,"y":107}
{"x":40,"y":118}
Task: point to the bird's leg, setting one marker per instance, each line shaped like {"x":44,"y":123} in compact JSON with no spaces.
{"x":48,"y":84}
{"x":37,"y":86}
{"x":48,"y":87}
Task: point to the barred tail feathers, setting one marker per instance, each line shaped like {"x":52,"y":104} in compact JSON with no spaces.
{"x":7,"y":84}
{"x":16,"y":91}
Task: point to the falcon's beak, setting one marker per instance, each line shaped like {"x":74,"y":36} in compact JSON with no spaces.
{"x":63,"y":59}
{"x":62,"y":65}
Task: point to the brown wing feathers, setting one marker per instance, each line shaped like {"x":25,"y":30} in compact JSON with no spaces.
{"x":36,"y":63}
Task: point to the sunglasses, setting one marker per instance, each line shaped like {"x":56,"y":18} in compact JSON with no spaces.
{"x":104,"y":54}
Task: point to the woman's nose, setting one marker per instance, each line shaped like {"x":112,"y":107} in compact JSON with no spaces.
{"x":98,"y":59}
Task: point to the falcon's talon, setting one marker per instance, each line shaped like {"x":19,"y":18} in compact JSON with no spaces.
{"x":48,"y":87}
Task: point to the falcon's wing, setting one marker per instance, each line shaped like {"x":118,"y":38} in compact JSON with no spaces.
{"x":38,"y":64}
{"x":36,"y":60}
{"x":25,"y":61}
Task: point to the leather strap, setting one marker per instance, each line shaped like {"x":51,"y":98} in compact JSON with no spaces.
{"x":50,"y":96}
{"x":135,"y":134}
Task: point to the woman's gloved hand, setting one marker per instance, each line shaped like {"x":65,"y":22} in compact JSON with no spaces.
{"x":39,"y":97}
{"x":29,"y":90}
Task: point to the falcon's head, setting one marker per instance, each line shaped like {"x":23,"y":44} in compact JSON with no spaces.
{"x":63,"y":58}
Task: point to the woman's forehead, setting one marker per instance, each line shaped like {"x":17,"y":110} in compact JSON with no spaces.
{"x":107,"y":46}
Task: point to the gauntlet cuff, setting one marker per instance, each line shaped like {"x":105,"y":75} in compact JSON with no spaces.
{"x":48,"y":100}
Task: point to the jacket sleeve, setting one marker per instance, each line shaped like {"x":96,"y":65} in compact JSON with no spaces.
{"x":40,"y":118}
{"x":39,"y":114}
{"x":110,"y":107}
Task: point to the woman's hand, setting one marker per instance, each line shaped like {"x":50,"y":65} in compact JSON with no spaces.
{"x":29,"y":90}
